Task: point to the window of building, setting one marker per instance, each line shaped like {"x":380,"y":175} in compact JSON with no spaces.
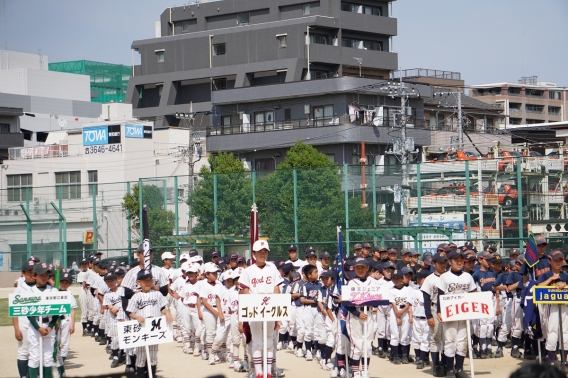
{"x":264,"y":164}
{"x":70,"y":184}
{"x":554,"y":110}
{"x":243,"y":18}
{"x":530,"y":108}
{"x":281,"y":41}
{"x":515,"y":106}
{"x":4,"y":127}
{"x":231,"y":120}
{"x":515,"y":121}
{"x":306,"y":9}
{"x":319,"y":39}
{"x":93,"y":180}
{"x":322,"y":114}
{"x":185,"y":26}
{"x":264,"y":118}
{"x":288,"y":115}
{"x":331,"y":157}
{"x":514,"y":91}
{"x":18,"y":186}
{"x":219,"y":84}
{"x":533,"y":121}
{"x":219,"y":49}
{"x":554,"y":95}
{"x":160,"y":56}
{"x":362,"y":44}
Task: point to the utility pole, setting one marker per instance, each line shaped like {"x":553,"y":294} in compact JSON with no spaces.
{"x":460,"y":124}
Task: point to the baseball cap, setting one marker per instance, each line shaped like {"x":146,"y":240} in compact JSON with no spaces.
{"x":349,"y":271}
{"x":383,"y":249}
{"x":84,"y":260}
{"x":468,"y":245}
{"x":295,"y":276}
{"x":134,"y":262}
{"x":486,"y":255}
{"x":512,"y":263}
{"x":292,"y":247}
{"x":184,"y":256}
{"x":358,"y":246}
{"x":193,"y":268}
{"x":308,"y":249}
{"x":441,"y":246}
{"x":389,"y":265}
{"x":489,"y":248}
{"x":260,"y":244}
{"x":311,"y":254}
{"x":97,"y":253}
{"x":375,"y":249}
{"x":454,"y":254}
{"x":140,"y":249}
{"x":378,"y":266}
{"x":221,"y":263}
{"x":406,"y":270}
{"x":168,"y":256}
{"x":287,"y":267}
{"x":96,"y":261}
{"x":234,"y":256}
{"x":469,"y":255}
{"x":422,"y":273}
{"x":241,"y":259}
{"x":193,"y":252}
{"x":324,"y":255}
{"x":210,"y":268}
{"x":227,"y":275}
{"x":404,"y":251}
{"x":65,"y":277}
{"x":440,"y":257}
{"x":110,"y":276}
{"x":397,"y":273}
{"x":120,"y":272}
{"x":104,"y":265}
{"x":215,"y":254}
{"x":554,"y":255}
{"x":414,"y":253}
{"x":361,"y":261}
{"x":514,"y":252}
{"x":238,"y":272}
{"x":540,"y":240}
{"x":326,"y":273}
{"x":392,"y":250}
{"x":367,"y":245}
{"x":427,"y":260}
{"x":28,"y":265}
{"x":143,"y":274}
{"x":197,"y":258}
{"x":496,"y":259}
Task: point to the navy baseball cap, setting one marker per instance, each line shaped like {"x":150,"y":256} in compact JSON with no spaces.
{"x":234,"y":256}
{"x":440,"y":257}
{"x":427,"y":260}
{"x":134,"y":263}
{"x":292,"y":247}
{"x":404,"y":251}
{"x":193,"y":253}
{"x":454,"y":254}
{"x":311,"y":254}
{"x":389,"y":265}
{"x":554,"y":255}
{"x":358,"y":246}
{"x":497,"y":259}
{"x":241,"y":259}
{"x":144,"y":274}
{"x":469,"y":255}
{"x":28,"y":265}
{"x":349,"y":271}
{"x":309,"y":249}
{"x":392,"y":250}
{"x":406,"y":270}
{"x":414,"y":253}
{"x":97,"y":253}
{"x":222,"y":263}
{"x":324,"y":255}
{"x":326,"y":273}
{"x":120,"y":272}
{"x":378,"y":266}
{"x":487,"y":255}
{"x":96,"y":261}
{"x":111,"y":276}
{"x":383,"y":249}
{"x":65,"y":277}
{"x":540,"y":240}
{"x":367,"y":245}
{"x":41,"y":268}
{"x":214,"y":254}
{"x":84,"y":260}
{"x":397,"y":273}
{"x":514,"y":252}
{"x":361,"y":261}
{"x":422,"y":273}
{"x":295,"y":276}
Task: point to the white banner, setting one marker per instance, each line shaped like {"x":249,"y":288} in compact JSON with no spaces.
{"x":264,"y":307}
{"x":39,"y":304}
{"x":467,"y":306}
{"x":376,"y":295}
{"x":153,"y":331}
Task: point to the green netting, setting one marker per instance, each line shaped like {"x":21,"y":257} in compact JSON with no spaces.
{"x":108,"y":81}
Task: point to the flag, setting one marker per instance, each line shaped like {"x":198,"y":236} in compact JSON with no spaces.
{"x":339,"y":260}
{"x":531,"y":254}
{"x":146,"y":243}
{"x":531,"y":314}
{"x":253,"y":228}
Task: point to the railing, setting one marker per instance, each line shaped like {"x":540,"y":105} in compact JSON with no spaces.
{"x":534,"y":95}
{"x":424,"y":72}
{"x":515,"y":94}
{"x":534,"y":111}
{"x":43,"y":152}
{"x":477,"y":94}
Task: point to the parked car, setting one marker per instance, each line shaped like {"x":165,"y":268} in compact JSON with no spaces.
{"x":505,"y":159}
{"x":508,"y":194}
{"x":454,"y":190}
{"x":455,"y":156}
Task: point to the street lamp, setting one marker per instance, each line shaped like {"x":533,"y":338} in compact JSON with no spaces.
{"x":360,"y":60}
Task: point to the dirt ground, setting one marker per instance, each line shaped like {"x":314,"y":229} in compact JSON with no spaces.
{"x":88,"y":359}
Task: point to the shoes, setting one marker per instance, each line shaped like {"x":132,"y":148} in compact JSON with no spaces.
{"x":329,"y":366}
{"x":410,"y":359}
{"x":476,"y":354}
{"x":404,"y":359}
{"x":494,"y":342}
{"x":97,"y":338}
{"x":309,"y":356}
{"x":129,"y":369}
{"x":212,"y":359}
{"x":102,"y":341}
{"x":318,"y":355}
{"x":279,"y":345}
{"x":204,"y":356}
{"x":375,"y":350}
{"x":114,"y":363}
{"x":342,"y":373}
{"x":179,"y":339}
{"x":277,"y":372}
{"x":357,"y":374}
{"x":334,"y":373}
{"x":187,"y":349}
{"x":420,"y":364}
{"x":196,"y":352}
{"x":508,"y":344}
{"x":216,"y":359}
{"x":382,"y":354}
{"x":483,"y":354}
{"x":110,"y":357}
{"x":451,"y":374}
{"x":489,"y":353}
{"x":300,"y":352}
{"x":498,"y":353}
{"x":427,"y":363}
{"x":107,"y":349}
{"x":397,"y":360}
{"x":322,"y":363}
{"x":529,"y":355}
{"x":230,"y":361}
{"x":515,"y":353}
{"x":290,"y":345}
{"x":85,"y":332}
{"x":439,"y":371}
{"x":245,"y":366}
{"x":461,"y":374}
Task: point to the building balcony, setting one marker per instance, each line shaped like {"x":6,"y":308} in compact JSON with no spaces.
{"x":368,"y":23}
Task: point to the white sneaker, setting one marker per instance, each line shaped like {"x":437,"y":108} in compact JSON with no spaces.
{"x":277,"y":373}
{"x":279,"y":345}
{"x":334,"y":373}
{"x":300,"y":352}
{"x":179,"y":339}
{"x":187,"y":349}
{"x":329,"y":366}
{"x":342,"y":373}
{"x":309,"y":356}
{"x":230,"y":361}
{"x":318,"y":355}
{"x":290,"y":345}
{"x":215,"y":359}
{"x":357,"y":374}
{"x":204,"y":356}
{"x":322,"y":363}
{"x":364,"y":374}
{"x":212,"y":360}
{"x":196,"y":352}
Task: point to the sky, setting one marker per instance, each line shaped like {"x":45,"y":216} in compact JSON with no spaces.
{"x":487,"y":41}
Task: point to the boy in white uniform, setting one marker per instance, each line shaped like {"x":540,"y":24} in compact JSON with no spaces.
{"x":81,"y":278}
{"x":261,"y":278}
{"x":420,"y":328}
{"x":400,"y":318}
{"x":223,"y":327}
{"x":66,"y":324}
{"x":209,"y":308}
{"x":22,"y":324}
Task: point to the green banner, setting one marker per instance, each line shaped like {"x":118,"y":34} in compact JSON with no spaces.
{"x":40,"y":310}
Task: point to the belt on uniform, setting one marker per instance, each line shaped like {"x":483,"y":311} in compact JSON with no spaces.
{"x":61,"y":317}
{"x":360,"y":308}
{"x":400,"y":307}
{"x":191,"y":305}
{"x":311,"y":305}
{"x":420,"y":317}
{"x":45,"y":319}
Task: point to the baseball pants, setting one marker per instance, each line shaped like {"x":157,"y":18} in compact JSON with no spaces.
{"x":309,"y":316}
{"x":319,"y":325}
{"x":83,"y":303}
{"x":420,"y":334}
{"x":341,"y":347}
{"x":356,"y":330}
{"x":258,"y":343}
{"x":383,"y":323}
{"x":222,"y":332}
{"x":331,"y":331}
{"x":292,"y":328}
{"x":400,"y":334}
{"x":24,"y":345}
{"x":300,"y":327}
{"x":141,"y":358}
{"x":191,"y":325}
{"x":436,"y":334}
{"x":553,"y":328}
{"x":516,"y":318}
{"x":455,"y":338}
{"x":34,"y":338}
{"x":64,"y":336}
{"x":209,"y":325}
{"x":506,"y":319}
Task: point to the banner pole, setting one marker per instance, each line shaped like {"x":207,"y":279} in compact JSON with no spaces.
{"x":265,"y":350}
{"x":365,"y":354}
{"x":469,"y":350}
{"x":562,"y":356}
{"x":148,"y":362}
{"x":40,"y":355}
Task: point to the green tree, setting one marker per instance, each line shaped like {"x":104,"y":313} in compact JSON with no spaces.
{"x":161,"y":222}
{"x":234,"y":196}
{"x":321,"y":202}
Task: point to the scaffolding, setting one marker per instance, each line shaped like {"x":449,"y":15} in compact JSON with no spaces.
{"x":108,"y":81}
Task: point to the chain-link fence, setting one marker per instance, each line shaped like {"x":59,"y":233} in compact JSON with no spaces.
{"x":494,"y":202}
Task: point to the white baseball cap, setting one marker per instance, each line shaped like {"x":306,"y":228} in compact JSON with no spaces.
{"x":197,"y":258}
{"x":227,"y":275}
{"x":168,"y":255}
{"x":184,"y":256}
{"x":260,"y":244}
{"x":184,"y":266}
{"x":238,"y":272}
{"x":210,"y":267}
{"x":192,"y":268}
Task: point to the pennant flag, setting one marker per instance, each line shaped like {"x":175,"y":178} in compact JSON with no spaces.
{"x":339,"y":260}
{"x":531,"y":254}
{"x":253,"y":229}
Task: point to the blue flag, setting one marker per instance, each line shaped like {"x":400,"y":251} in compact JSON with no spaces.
{"x":339,"y":260}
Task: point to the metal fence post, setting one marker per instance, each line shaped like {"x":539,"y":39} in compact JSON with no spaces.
{"x":28,"y":225}
{"x":253,"y":178}
{"x":419,"y":204}
{"x":140,"y":209}
{"x":215,"y":221}
{"x":345,"y":188}
{"x":177,"y":218}
{"x":520,"y":203}
{"x":296,"y":236}
{"x":95,"y":226}
{"x":129,"y":225}
{"x":467,"y":202}
{"x":374,"y":177}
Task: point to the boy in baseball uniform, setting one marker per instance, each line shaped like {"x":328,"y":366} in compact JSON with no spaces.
{"x":187,"y":294}
{"x":223,"y":326}
{"x":147,"y":303}
{"x":81,"y":278}
{"x":66,"y":324}
{"x":261,"y":278}
{"x":22,"y":324}
{"x":309,"y":298}
{"x":420,"y":328}
{"x":515,"y":286}
{"x":400,"y":318}
{"x":455,"y":281}
{"x":112,"y":302}
{"x":209,"y":309}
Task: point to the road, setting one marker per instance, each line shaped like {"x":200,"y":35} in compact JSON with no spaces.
{"x":88,"y":359}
